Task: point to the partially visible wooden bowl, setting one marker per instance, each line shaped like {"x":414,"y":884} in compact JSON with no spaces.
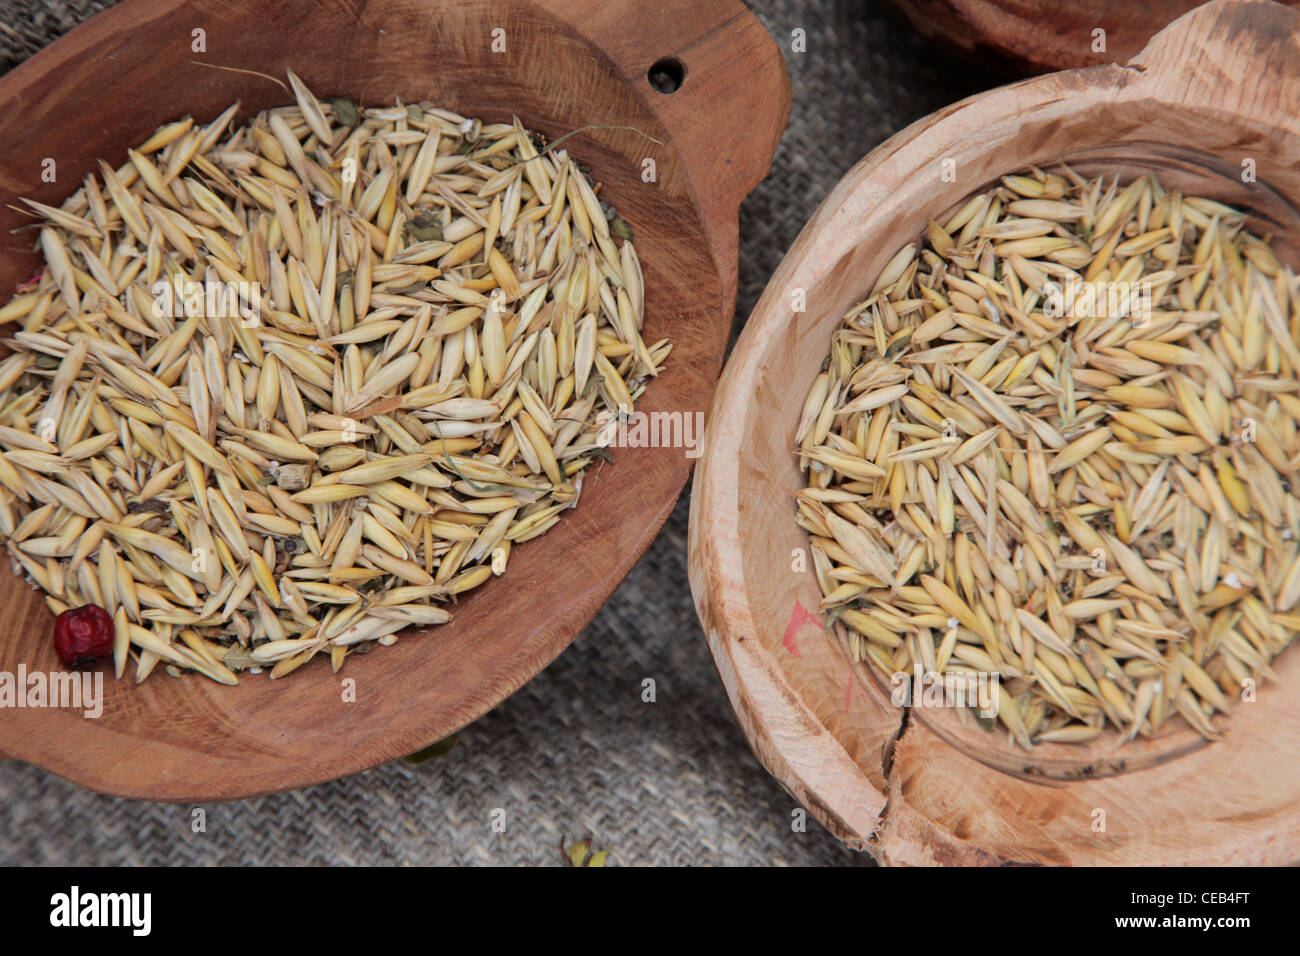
{"x":1216,"y":87}
{"x":567,"y":65}
{"x":1027,"y":36}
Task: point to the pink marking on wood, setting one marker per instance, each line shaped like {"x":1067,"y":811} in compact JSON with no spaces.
{"x":798,"y":618}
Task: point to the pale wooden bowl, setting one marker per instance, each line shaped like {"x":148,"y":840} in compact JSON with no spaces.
{"x":1217,"y":86}
{"x":567,"y":64}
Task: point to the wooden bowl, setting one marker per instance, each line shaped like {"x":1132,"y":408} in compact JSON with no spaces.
{"x":567,"y":64}
{"x":1027,"y":36}
{"x":1216,"y":87}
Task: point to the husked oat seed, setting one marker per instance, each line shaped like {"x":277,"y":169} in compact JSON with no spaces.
{"x":1057,"y":444}
{"x":291,"y":387}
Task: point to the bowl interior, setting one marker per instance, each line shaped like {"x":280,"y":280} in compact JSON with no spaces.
{"x":1196,"y":152}
{"x":106,"y":87}
{"x":1270,"y":214}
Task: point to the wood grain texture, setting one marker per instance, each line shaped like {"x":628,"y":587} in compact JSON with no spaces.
{"x":1216,"y":87}
{"x":568,"y":64}
{"x":1028,"y":36}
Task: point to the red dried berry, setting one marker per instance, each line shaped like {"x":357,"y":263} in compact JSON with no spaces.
{"x":83,"y":635}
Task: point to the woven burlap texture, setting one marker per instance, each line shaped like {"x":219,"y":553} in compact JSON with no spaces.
{"x":576,"y":751}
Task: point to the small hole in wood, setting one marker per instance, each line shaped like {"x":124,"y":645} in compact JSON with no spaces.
{"x":667,"y":74}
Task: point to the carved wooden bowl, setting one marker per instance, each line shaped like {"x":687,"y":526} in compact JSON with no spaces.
{"x":1216,"y":87}
{"x":566,"y":65}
